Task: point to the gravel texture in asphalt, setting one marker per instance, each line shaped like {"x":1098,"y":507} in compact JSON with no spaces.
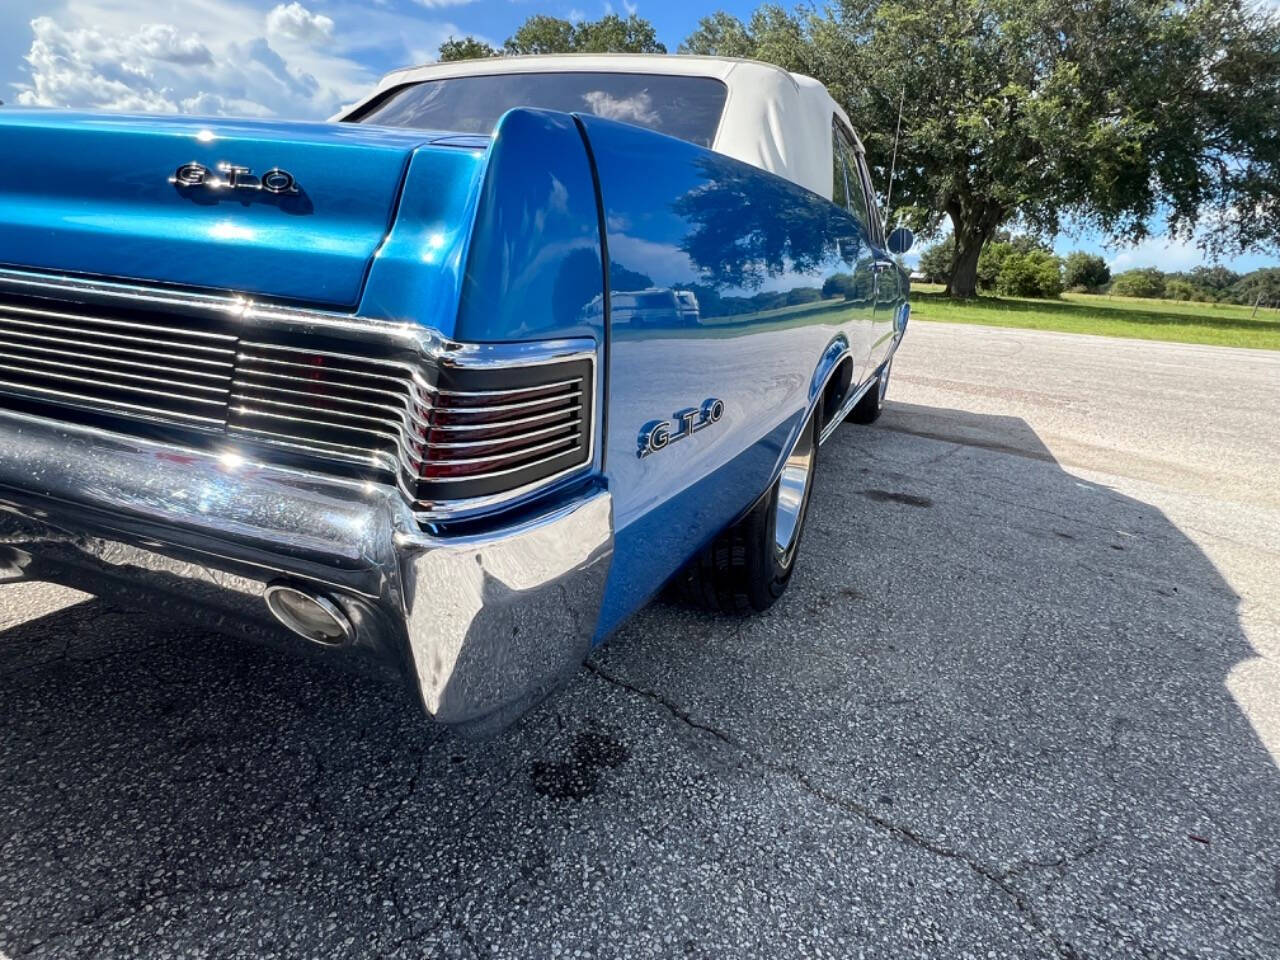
{"x":1021,"y":699}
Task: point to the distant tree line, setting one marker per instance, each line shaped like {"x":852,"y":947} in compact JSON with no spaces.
{"x":544,"y":34}
{"x":1214,"y":284}
{"x":1023,"y":266}
{"x":1037,"y":113}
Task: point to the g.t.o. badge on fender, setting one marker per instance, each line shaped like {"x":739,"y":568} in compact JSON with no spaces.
{"x":659,"y":434}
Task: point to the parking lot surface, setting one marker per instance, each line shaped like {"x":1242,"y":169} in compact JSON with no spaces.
{"x":1022,"y":699}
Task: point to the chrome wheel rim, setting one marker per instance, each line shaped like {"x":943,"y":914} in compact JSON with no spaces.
{"x":883,"y":385}
{"x":793,"y":485}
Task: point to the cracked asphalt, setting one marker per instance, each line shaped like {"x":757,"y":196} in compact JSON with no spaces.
{"x":1021,"y":700}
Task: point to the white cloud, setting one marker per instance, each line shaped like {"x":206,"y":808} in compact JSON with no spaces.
{"x":665,"y":264}
{"x":160,"y":41}
{"x":1169,"y":255}
{"x":298,"y":23}
{"x":635,"y":109}
{"x":631,"y":8}
{"x":434,"y":4}
{"x":85,"y":67}
{"x":108,"y":55}
{"x":576,"y":15}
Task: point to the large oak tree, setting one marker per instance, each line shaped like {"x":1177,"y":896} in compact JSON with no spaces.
{"x":1114,"y":115}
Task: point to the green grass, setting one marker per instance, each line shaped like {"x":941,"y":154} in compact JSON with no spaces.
{"x":1217,"y":324}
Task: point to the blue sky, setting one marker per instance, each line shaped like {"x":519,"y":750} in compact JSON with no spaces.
{"x":305,"y":58}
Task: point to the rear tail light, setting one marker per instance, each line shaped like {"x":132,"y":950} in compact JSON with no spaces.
{"x":451,"y":434}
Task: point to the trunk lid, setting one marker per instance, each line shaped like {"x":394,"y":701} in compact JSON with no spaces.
{"x":91,"y":194}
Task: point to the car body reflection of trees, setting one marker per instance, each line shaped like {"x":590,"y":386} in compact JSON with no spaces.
{"x":745,"y":229}
{"x":751,"y":249}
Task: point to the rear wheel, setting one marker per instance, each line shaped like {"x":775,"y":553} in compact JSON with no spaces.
{"x":748,"y":566}
{"x":869,"y":408}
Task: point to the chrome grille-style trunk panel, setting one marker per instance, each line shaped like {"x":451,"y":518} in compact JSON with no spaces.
{"x":455,"y":432}
{"x":94,"y":362}
{"x":333,"y":404}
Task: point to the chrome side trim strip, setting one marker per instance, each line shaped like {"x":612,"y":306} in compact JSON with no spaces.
{"x":850,"y":401}
{"x":855,"y":396}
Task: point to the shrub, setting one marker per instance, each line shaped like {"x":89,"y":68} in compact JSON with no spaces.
{"x":1178,"y":289}
{"x":1145,"y":282}
{"x":1033,"y":274}
{"x":1086,"y":271}
{"x":990,"y":261}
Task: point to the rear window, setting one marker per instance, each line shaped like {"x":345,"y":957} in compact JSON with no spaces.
{"x":684,"y":107}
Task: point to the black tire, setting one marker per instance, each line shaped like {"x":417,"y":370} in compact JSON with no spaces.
{"x":745,"y":569}
{"x":869,"y":408}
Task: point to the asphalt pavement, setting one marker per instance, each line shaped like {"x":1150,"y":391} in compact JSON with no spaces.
{"x":1021,"y":700}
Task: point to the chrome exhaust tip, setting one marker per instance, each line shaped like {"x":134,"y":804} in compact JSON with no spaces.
{"x":313,"y":617}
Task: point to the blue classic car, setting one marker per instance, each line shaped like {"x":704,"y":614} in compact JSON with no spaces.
{"x":460,"y":380}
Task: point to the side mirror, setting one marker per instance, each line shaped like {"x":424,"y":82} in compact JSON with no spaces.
{"x":900,"y":241}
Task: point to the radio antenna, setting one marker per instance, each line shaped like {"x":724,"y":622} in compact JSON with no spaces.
{"x":893,"y":164}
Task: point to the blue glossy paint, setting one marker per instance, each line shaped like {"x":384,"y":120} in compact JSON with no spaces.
{"x":89,"y":194}
{"x":785,"y":290}
{"x":416,"y":275}
{"x":491,"y":245}
{"x":533,"y":268}
{"x":723,"y":281}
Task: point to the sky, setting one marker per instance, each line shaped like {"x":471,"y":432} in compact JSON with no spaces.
{"x":306,"y":58}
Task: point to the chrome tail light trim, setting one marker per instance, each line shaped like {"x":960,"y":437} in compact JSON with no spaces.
{"x":460,"y":429}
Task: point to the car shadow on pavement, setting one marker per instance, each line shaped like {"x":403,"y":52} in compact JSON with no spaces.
{"x":990,"y":714}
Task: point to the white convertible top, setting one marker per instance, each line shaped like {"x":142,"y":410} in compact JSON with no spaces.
{"x":775,"y":120}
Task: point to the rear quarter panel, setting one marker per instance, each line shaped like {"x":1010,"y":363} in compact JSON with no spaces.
{"x":498,"y":244}
{"x":784,"y":290}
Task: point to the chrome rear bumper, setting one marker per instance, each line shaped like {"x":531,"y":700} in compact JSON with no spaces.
{"x":481,"y":624}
